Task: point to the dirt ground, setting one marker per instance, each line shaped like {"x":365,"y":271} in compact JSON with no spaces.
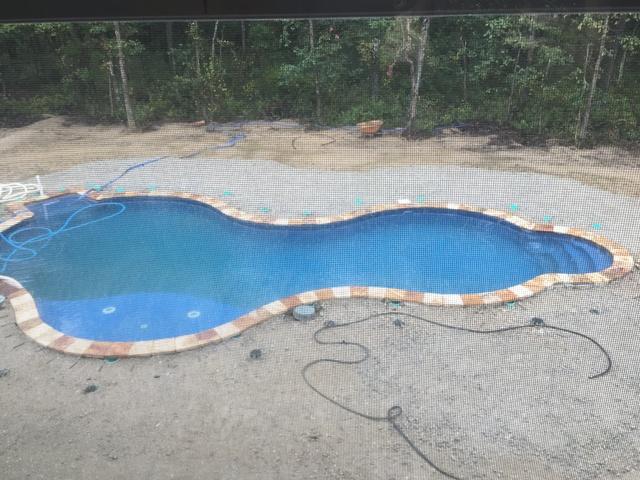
{"x":57,"y":143}
{"x":482,"y":407}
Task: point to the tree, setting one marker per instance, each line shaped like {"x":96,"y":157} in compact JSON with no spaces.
{"x":630,"y":45}
{"x":537,"y":75}
{"x":416,"y":72}
{"x":367,"y":39}
{"x":170,"y":52}
{"x":411,"y":49}
{"x":315,"y":71}
{"x":131,"y":122}
{"x":316,"y":76}
{"x":243,"y":36}
{"x":603,"y":28}
{"x":194,"y":33}
{"x":617,"y":30}
{"x":214,"y":38}
{"x":211,"y":92}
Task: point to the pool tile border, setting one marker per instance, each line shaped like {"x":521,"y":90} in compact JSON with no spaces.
{"x":28,"y":318}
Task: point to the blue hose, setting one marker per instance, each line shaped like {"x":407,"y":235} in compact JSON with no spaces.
{"x":46,"y":234}
{"x":233,"y":140}
{"x":131,"y":168}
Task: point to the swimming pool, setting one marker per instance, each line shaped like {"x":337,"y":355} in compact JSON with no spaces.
{"x":145,"y":268}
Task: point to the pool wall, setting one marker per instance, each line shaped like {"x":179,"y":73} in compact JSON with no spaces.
{"x":28,"y":318}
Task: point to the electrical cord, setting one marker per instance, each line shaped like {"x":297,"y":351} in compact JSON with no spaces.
{"x":395,"y":412}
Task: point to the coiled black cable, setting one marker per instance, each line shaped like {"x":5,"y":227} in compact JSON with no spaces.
{"x":395,"y":411}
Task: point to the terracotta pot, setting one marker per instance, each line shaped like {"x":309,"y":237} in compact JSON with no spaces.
{"x":370,"y":128}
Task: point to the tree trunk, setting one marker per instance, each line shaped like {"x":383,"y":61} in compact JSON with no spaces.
{"x":587,"y":60}
{"x":582,"y":134}
{"x":316,"y":75}
{"x":170,"y":53}
{"x":4,"y":87}
{"x":114,"y":83}
{"x":531,"y":43}
{"x":465,"y":68}
{"x":213,"y":41}
{"x":524,"y":95}
{"x":621,"y":68}
{"x":416,"y":75}
{"x":624,"y":58}
{"x":196,"y":41}
{"x":243,"y":35}
{"x":221,"y":42}
{"x":375,"y":69}
{"x":610,"y":68}
{"x":544,"y":79}
{"x":585,"y":86}
{"x":110,"y":85}
{"x":513,"y":85}
{"x":131,"y":122}
{"x":618,"y":29}
{"x":111,"y":109}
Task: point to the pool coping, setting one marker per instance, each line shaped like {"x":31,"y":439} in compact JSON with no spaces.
{"x":28,"y":318}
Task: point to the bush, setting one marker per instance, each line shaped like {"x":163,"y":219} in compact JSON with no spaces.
{"x":368,"y":109}
{"x":16,"y":112}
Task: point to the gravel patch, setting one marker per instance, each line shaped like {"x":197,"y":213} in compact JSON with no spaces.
{"x":288,"y":191}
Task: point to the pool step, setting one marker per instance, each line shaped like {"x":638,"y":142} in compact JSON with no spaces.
{"x":564,"y":256}
{"x":581,"y":260}
{"x":572,"y":256}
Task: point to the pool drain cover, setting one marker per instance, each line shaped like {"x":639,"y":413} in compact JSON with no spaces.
{"x":304,"y":312}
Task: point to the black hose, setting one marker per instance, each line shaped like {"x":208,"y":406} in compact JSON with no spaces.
{"x":395,"y":411}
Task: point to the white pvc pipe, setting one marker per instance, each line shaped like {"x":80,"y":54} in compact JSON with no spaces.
{"x":12,"y":192}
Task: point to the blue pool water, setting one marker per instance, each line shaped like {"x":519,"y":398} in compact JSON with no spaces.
{"x":162,"y":267}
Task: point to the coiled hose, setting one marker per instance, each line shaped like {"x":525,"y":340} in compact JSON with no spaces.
{"x":38,"y":237}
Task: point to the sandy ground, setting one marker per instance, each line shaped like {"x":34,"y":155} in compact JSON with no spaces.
{"x":509,"y":406}
{"x":57,"y":143}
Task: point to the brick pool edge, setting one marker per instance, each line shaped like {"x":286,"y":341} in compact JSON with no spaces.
{"x":28,"y":318}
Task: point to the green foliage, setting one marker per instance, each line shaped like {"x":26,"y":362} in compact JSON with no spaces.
{"x":526,"y":73}
{"x":211,"y":93}
{"x":17,"y":112}
{"x":366,"y":109}
{"x":624,"y":126}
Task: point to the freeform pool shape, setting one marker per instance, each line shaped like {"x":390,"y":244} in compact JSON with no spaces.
{"x":171,"y":273}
